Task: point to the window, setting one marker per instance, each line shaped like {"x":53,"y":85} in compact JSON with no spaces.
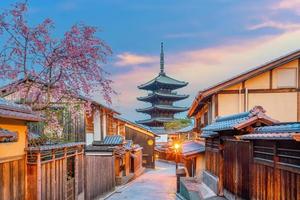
{"x":287,"y":78}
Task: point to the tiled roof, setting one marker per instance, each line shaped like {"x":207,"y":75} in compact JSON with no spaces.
{"x":155,"y":119}
{"x":55,"y":146}
{"x":171,"y":96}
{"x":113,"y":140}
{"x":145,"y":128}
{"x":279,"y":128}
{"x":9,"y":109}
{"x":163,"y":80}
{"x":227,"y":122}
{"x":163,"y":107}
{"x":283,"y":131}
{"x":192,"y":148}
{"x":237,"y":121}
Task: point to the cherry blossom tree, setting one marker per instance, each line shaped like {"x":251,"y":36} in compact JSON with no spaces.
{"x":54,"y":69}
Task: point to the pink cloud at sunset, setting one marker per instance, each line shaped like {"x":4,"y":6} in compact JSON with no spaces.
{"x":288,"y":4}
{"x":201,"y":68}
{"x":127,"y":58}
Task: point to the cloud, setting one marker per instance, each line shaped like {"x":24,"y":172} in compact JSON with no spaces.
{"x":293,"y":5}
{"x":126,"y":59}
{"x":275,"y":25}
{"x":201,"y":68}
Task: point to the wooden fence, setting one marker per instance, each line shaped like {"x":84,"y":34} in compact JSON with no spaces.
{"x":12,"y":178}
{"x":236,"y":168}
{"x":275,"y":170}
{"x":99,"y":175}
{"x":54,"y":173}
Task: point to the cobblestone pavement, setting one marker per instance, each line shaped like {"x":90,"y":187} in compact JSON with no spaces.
{"x":158,"y":184}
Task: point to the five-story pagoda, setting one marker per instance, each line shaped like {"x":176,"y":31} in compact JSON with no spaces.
{"x":161,"y":97}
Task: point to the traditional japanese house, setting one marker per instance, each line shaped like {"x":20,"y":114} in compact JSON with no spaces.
{"x":274,"y":85}
{"x":227,"y":159}
{"x":142,"y":136}
{"x":193,"y":157}
{"x":13,"y":141}
{"x":100,"y":122}
{"x":274,"y":162}
{"x":162,"y":97}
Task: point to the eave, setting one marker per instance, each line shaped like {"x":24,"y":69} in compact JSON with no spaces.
{"x":157,"y":95}
{"x":162,"y":108}
{"x":207,"y":93}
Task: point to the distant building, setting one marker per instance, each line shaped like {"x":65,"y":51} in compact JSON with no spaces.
{"x":161,"y":97}
{"x":274,"y":85}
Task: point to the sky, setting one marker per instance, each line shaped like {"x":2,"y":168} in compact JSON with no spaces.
{"x":206,"y":41}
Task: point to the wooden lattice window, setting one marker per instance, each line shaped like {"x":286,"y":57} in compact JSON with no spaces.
{"x":263,"y":151}
{"x":288,"y":153}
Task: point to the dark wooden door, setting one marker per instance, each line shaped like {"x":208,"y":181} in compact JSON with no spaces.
{"x":236,"y":168}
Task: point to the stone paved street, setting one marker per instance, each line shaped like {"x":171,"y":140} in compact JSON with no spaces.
{"x":158,"y":184}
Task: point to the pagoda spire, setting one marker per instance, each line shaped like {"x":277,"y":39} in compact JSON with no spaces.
{"x":162,"y":62}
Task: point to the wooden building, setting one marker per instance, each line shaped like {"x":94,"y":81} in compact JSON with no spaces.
{"x":13,"y":141}
{"x":102,"y":122}
{"x":143,"y":137}
{"x":55,"y":171}
{"x":193,"y":157}
{"x":274,"y":86}
{"x":251,"y":156}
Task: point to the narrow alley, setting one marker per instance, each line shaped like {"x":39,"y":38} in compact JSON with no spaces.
{"x":153,"y":184}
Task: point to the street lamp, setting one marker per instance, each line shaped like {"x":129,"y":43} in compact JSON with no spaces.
{"x":176,"y":146}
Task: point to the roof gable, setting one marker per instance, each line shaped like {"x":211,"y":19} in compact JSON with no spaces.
{"x":202,"y":95}
{"x":238,"y":122}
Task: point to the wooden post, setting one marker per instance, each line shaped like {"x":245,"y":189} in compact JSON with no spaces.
{"x":76,"y":175}
{"x":221,"y":169}
{"x":65,"y":183}
{"x":276,"y":174}
{"x":53,"y":178}
{"x":39,"y":177}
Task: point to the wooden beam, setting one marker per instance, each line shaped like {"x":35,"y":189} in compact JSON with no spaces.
{"x":280,"y":90}
{"x":76,"y":175}
{"x":216,"y":105}
{"x":271,"y":79}
{"x":39,"y":177}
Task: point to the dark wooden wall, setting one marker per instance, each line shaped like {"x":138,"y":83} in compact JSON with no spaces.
{"x":99,"y":175}
{"x":275,"y":170}
{"x":142,"y":139}
{"x":12,"y":179}
{"x":236,"y":167}
{"x":212,"y":163}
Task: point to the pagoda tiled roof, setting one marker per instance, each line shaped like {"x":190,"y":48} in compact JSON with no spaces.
{"x":281,"y":131}
{"x":172,"y":96}
{"x":162,"y":107}
{"x":162,"y":80}
{"x":155,"y":119}
{"x":237,"y":121}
